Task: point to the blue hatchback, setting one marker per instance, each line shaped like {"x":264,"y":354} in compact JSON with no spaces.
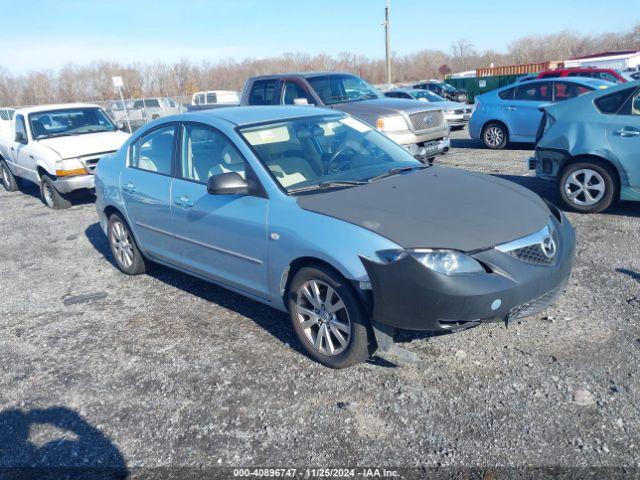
{"x":512,"y":113}
{"x":591,"y":148}
{"x":320,"y":215}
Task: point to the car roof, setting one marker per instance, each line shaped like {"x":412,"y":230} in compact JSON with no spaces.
{"x":406,"y":90}
{"x":241,"y":116}
{"x":301,"y":75}
{"x":591,"y":82}
{"x":56,"y":106}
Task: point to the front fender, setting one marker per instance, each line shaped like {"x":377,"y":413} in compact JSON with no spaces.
{"x":304,"y":234}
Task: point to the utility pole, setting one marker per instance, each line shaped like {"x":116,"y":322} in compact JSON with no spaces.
{"x":387,"y":41}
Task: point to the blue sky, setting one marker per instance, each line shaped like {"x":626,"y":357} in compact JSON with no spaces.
{"x":46,"y":34}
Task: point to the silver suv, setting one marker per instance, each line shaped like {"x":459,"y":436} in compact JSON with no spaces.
{"x":421,"y":129}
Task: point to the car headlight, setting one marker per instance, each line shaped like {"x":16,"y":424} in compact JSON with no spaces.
{"x":70,"y":167}
{"x":394,"y":123}
{"x":446,"y":262}
{"x":449,"y":112}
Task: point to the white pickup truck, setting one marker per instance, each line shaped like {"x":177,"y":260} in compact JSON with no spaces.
{"x":57,"y":147}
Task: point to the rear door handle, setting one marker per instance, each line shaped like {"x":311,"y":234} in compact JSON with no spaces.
{"x":183,"y":201}
{"x":129,"y":188}
{"x":627,"y":132}
{"x":511,"y":109}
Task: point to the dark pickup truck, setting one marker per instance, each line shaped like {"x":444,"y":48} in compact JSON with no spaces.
{"x":420,"y":128}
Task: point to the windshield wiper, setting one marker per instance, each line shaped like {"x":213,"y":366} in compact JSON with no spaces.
{"x":396,"y":171}
{"x":328,"y":185}
{"x":54,"y":135}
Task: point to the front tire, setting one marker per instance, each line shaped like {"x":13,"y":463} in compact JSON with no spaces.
{"x":51,"y":197}
{"x":328,"y":318}
{"x":128,"y":258}
{"x":587,"y":187}
{"x":10,"y":182}
{"x":495,"y":136}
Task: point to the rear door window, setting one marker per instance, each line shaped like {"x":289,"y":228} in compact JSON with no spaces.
{"x":536,"y":92}
{"x":152,"y":103}
{"x":155,"y":151}
{"x":212,"y":97}
{"x":612,"y":103}
{"x":606,"y":76}
{"x":262,"y":92}
{"x":564,"y":91}
{"x":293,"y":91}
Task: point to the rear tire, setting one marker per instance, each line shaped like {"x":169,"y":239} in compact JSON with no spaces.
{"x":9,"y":181}
{"x":328,"y":318}
{"x":587,"y":187}
{"x":51,"y":197}
{"x":495,"y":136}
{"x":123,"y":246}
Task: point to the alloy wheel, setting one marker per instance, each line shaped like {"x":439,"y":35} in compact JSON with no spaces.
{"x":494,"y":136}
{"x":323,"y":317}
{"x":122,"y":244}
{"x":584,"y":187}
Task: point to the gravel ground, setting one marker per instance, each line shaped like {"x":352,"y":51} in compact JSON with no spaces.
{"x":97,"y":368}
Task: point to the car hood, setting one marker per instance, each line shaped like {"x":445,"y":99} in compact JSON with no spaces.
{"x":85,"y":144}
{"x":452,"y":105}
{"x":385,"y":106}
{"x":437,"y":207}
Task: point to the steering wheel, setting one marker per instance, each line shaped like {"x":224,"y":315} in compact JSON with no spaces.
{"x":335,"y":156}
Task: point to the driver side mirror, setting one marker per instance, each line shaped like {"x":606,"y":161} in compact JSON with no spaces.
{"x":636,"y":104}
{"x":230,"y":183}
{"x":20,"y":138}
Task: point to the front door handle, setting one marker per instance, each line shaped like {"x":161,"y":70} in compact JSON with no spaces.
{"x":511,"y":109}
{"x":129,"y":188}
{"x":183,"y":201}
{"x":627,"y":132}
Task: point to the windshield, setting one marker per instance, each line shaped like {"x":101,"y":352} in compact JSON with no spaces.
{"x":310,"y":152}
{"x":447,"y":88}
{"x":342,"y":88}
{"x":427,"y":95}
{"x":72,"y":121}
{"x":627,"y":76}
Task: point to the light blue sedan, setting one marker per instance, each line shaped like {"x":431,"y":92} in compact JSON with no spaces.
{"x":512,"y":114}
{"x":318,"y":214}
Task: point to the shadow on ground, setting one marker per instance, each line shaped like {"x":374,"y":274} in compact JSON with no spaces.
{"x":56,"y":443}
{"x":476,"y":143}
{"x":273,"y":321}
{"x":549,"y":190}
{"x":81,"y":197}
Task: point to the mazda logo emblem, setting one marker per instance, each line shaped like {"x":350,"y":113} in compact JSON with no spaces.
{"x":548,"y":246}
{"x":428,"y":119}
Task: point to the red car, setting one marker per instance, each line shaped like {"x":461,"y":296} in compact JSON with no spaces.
{"x":608,"y":74}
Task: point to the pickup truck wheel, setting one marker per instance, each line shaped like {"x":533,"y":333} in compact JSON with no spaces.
{"x":587,"y":187}
{"x":123,"y":247}
{"x":328,"y":318}
{"x":495,"y":136}
{"x":51,"y":197}
{"x":9,"y":181}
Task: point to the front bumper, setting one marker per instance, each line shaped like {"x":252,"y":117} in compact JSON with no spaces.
{"x":70,"y":184}
{"x":458,"y":120}
{"x":409,"y":296}
{"x":426,"y":150}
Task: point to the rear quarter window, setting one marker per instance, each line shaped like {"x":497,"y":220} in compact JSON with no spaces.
{"x":612,"y":103}
{"x":507,"y":94}
{"x":262,"y":92}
